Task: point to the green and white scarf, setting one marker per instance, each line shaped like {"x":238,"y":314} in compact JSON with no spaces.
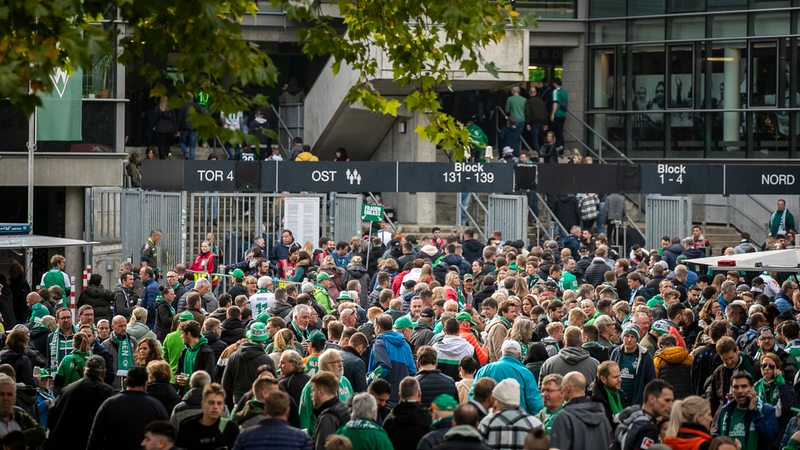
{"x":124,"y":355}
{"x":59,"y":348}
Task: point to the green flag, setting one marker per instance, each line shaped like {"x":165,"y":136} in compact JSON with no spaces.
{"x":59,"y":118}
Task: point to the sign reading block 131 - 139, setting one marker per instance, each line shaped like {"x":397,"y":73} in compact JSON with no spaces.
{"x":456,"y":177}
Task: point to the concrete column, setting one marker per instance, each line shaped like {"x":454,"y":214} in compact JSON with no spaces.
{"x":418,"y":207}
{"x":732,"y":120}
{"x":73,"y":229}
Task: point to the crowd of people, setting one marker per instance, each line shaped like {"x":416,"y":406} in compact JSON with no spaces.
{"x":407,"y":342}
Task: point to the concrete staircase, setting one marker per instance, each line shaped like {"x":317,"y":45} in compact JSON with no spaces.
{"x":721,"y":236}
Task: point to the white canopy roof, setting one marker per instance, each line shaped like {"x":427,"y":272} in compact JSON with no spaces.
{"x":21,"y":241}
{"x":787,"y":260}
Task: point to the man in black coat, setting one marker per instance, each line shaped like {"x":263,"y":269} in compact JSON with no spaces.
{"x":408,"y":421}
{"x":120,"y":421}
{"x":68,"y":418}
{"x":432,"y":381}
{"x":242,"y":367}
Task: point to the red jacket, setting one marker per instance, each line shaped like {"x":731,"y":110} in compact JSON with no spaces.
{"x":483,"y":355}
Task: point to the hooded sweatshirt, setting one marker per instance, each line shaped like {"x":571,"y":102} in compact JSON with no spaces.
{"x":391,"y":359}
{"x":581,"y":425}
{"x":242,"y":369}
{"x":449,"y":352}
{"x":571,"y":359}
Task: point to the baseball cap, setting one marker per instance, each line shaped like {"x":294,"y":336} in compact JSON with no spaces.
{"x":237,"y":273}
{"x":322,"y":276}
{"x":186,"y":315}
{"x":344,"y":295}
{"x":583,"y":249}
{"x":427,"y":312}
{"x":469,"y":277}
{"x":257,"y":332}
{"x":463,"y":315}
{"x":404,"y":322}
{"x":742,"y":288}
{"x":44,"y":373}
{"x":316,"y":337}
{"x":444,"y":402}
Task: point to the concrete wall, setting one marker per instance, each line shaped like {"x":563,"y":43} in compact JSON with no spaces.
{"x":396,"y":146}
{"x":64,"y":169}
{"x":712,"y":209}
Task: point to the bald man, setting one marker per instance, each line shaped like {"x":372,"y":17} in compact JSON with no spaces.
{"x":582,"y":424}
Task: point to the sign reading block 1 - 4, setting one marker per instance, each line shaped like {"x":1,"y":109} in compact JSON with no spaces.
{"x":371,"y":213}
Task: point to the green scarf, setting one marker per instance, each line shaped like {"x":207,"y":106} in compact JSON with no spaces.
{"x":263,"y":291}
{"x":124,"y":354}
{"x":191,"y":355}
{"x":160,"y":298}
{"x":614,"y":400}
{"x":504,"y":320}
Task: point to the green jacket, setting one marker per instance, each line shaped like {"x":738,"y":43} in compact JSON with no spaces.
{"x":173,"y":346}
{"x":366,"y":435}
{"x":308,"y":420}
{"x":323,"y":298}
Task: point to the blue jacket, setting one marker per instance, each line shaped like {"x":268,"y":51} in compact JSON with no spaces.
{"x":149,"y":295}
{"x":273,"y":434}
{"x":507,"y":366}
{"x":645,"y":372}
{"x":762,"y":419}
{"x":782,"y":302}
{"x":392,"y":354}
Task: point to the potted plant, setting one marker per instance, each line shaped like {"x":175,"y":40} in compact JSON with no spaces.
{"x":102,"y":75}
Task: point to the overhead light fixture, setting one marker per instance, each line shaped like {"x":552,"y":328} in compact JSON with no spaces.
{"x":720,"y":59}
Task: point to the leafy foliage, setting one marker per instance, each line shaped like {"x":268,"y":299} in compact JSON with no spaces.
{"x":424,"y":41}
{"x":201,"y":41}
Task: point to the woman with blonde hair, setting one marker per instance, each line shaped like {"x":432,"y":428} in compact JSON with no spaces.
{"x":426,"y":276}
{"x":522,"y":332}
{"x":521,"y":287}
{"x":137,"y":326}
{"x":439,"y":293}
{"x":689,"y":424}
{"x":283,"y":340}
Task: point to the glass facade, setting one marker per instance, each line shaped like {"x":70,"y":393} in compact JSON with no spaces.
{"x":678,"y":79}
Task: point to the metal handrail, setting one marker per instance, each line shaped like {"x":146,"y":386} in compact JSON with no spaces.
{"x":736,"y":209}
{"x":759,"y":203}
{"x":602,"y":139}
{"x":550,"y":212}
{"x":497,"y":136}
{"x":633,"y":224}
{"x":285,"y":127}
{"x":469,"y":219}
{"x":588,"y":149}
{"x":539,"y":225}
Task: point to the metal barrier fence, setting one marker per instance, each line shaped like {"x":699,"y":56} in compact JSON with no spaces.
{"x":234,"y":221}
{"x":127,"y":216}
{"x":509,"y":214}
{"x":346,"y":216}
{"x":667,"y":216}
